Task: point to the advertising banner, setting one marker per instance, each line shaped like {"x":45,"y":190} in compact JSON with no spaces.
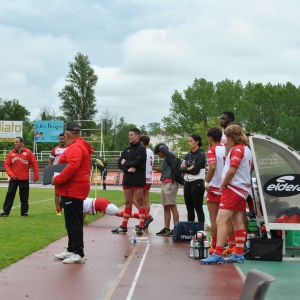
{"x":10,"y":129}
{"x":47,"y":131}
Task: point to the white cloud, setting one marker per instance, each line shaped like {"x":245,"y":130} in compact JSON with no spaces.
{"x":143,"y":51}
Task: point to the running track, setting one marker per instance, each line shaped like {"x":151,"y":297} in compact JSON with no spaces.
{"x":118,"y":269}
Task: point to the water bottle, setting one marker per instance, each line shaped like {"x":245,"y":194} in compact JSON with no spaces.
{"x":135,"y":239}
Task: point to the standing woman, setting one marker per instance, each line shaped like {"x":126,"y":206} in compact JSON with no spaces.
{"x":194,"y":168}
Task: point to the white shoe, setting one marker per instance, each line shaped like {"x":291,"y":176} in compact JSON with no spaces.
{"x":74,"y":259}
{"x":63,"y":255}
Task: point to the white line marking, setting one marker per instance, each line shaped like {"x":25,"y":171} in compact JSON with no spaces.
{"x":137,"y":274}
{"x":36,"y":202}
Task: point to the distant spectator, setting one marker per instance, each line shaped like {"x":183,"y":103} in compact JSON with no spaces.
{"x":17,"y":164}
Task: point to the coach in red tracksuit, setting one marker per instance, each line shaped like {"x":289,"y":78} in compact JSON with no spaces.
{"x":73,"y":186}
{"x":17,"y":164}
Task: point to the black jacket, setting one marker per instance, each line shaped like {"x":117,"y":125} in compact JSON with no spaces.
{"x":136,"y":157}
{"x":197,"y":159}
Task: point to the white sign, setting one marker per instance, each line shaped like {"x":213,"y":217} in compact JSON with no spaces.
{"x":10,"y":129}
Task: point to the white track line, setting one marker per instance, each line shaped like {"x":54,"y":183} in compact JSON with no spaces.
{"x":36,"y":202}
{"x":137,"y":274}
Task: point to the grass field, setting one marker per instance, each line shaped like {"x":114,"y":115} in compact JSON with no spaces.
{"x":20,"y":236}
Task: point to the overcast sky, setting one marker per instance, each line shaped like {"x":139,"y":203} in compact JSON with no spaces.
{"x":142,"y":50}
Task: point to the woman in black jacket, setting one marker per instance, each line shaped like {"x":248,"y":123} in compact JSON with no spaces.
{"x":194,"y":168}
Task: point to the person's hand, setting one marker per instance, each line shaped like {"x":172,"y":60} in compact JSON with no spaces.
{"x":223,"y":186}
{"x":58,"y":209}
{"x":52,"y":181}
{"x":207,"y":189}
{"x":132,"y":170}
{"x":14,"y":177}
{"x":123,"y":161}
{"x":35,"y":179}
{"x":157,"y":169}
{"x":190,"y":168}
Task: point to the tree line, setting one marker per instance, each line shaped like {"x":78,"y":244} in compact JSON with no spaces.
{"x":268,"y":109}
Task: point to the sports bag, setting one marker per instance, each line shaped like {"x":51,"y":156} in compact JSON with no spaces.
{"x":177,"y":175}
{"x":265,"y":249}
{"x":184,"y":231}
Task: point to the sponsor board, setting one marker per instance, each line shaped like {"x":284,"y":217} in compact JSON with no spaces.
{"x":283,"y":185}
{"x":9,"y":130}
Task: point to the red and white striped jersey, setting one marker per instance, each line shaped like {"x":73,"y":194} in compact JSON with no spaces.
{"x":216,"y":155}
{"x":240,"y":157}
{"x":56,"y":153}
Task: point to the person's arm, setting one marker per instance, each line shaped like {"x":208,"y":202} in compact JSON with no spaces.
{"x":120,"y":164}
{"x":8,"y":169}
{"x":198,"y":164}
{"x":140,"y":158}
{"x":50,"y":162}
{"x":210,"y":174}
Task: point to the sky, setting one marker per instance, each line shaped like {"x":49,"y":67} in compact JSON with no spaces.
{"x":142,"y":51}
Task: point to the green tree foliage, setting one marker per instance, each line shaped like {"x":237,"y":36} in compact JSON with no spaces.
{"x":12,"y":110}
{"x":78,"y":99}
{"x":268,"y":109}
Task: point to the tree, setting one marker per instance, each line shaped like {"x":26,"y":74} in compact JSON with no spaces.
{"x":191,"y":109}
{"x":46,"y":113}
{"x":78,"y":99}
{"x":12,"y":110}
{"x":154,"y":127}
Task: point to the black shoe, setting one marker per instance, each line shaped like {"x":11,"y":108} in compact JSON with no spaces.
{"x":148,"y":221}
{"x":119,"y":229}
{"x":139,"y":231}
{"x":164,"y":232}
{"x":171,"y":233}
{"x":24,"y":215}
{"x":4,"y":214}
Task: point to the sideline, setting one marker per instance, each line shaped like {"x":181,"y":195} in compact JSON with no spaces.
{"x":36,"y":202}
{"x":136,"y":277}
{"x":122,"y":272}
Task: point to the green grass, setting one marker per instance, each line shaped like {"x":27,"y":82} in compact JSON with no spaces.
{"x":21,"y":236}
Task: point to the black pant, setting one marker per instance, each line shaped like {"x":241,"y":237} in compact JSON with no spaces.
{"x":73,"y":211}
{"x":11,"y":193}
{"x":193,"y":198}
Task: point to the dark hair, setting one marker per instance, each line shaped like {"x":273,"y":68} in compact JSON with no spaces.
{"x":136,"y":131}
{"x":145,"y":140}
{"x":229,"y":114}
{"x":20,"y":138}
{"x":62,"y":134}
{"x":235,"y":123}
{"x":196,"y":137}
{"x":214,"y":132}
{"x":156,"y":148}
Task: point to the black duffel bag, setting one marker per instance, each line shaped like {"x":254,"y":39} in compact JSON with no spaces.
{"x":265,"y":249}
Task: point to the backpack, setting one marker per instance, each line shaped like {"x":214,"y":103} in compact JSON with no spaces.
{"x":177,"y":175}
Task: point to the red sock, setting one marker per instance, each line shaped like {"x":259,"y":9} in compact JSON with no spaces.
{"x":219,"y":250}
{"x":142,"y":213}
{"x":126,"y":216}
{"x":213,"y":241}
{"x":240,"y":236}
{"x":231,"y":241}
{"x":135,"y":215}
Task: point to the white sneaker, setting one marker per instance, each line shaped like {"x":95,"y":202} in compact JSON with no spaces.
{"x":74,"y":259}
{"x":63,"y":255}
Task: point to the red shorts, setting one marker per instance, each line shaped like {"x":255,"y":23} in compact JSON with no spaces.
{"x":147,"y":187}
{"x":134,"y":188}
{"x":101,"y":204}
{"x":232,"y":201}
{"x":212,"y":197}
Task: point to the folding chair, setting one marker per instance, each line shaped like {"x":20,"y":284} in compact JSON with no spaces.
{"x":256,"y":285}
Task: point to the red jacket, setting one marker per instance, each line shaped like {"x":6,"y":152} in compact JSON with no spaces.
{"x":18,"y":164}
{"x":74,"y":180}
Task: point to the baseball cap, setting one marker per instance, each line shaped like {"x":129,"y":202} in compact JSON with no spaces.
{"x":73,"y":126}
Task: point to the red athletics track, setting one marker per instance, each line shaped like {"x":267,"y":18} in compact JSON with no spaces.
{"x":117,"y":269}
